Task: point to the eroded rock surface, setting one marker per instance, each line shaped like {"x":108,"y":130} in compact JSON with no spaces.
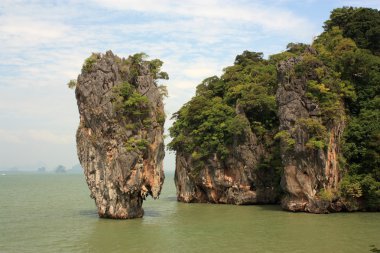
{"x":235,"y":180}
{"x":120,"y":174}
{"x":311,"y":176}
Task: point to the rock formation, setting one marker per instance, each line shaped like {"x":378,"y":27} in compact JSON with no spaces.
{"x":120,"y":134}
{"x":224,"y":143}
{"x":311,"y":175}
{"x":235,"y":180}
{"x":309,"y":114}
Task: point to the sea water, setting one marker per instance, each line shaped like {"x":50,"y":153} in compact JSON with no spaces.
{"x":54,"y":213}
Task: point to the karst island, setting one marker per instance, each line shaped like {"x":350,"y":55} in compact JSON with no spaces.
{"x":299,"y":128}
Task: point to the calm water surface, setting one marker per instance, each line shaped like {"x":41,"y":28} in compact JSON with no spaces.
{"x":53,"y":213}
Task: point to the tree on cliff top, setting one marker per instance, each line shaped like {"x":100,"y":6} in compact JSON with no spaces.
{"x":346,"y":67}
{"x":225,"y":107}
{"x":350,"y":45}
{"x":360,"y":24}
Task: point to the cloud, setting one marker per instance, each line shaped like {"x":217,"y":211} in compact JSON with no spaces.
{"x":183,"y":85}
{"x":27,"y":31}
{"x":202,"y":70}
{"x":256,"y":13}
{"x":35,"y":136}
{"x":9,"y":136}
{"x":44,"y":43}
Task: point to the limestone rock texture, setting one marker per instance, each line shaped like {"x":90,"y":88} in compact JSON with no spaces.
{"x":234,"y":180}
{"x":308,"y":173}
{"x":119,"y":174}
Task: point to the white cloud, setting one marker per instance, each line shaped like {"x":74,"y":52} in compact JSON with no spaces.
{"x":256,"y":13}
{"x":182,"y":85}
{"x":34,"y":135}
{"x":201,"y":70}
{"x":26,"y":31}
{"x":44,"y":43}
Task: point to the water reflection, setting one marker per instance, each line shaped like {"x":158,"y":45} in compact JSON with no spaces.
{"x":89,"y":213}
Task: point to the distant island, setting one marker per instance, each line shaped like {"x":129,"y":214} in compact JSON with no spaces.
{"x":60,"y":169}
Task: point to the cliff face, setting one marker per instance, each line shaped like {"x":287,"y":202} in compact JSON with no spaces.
{"x":310,"y":114}
{"x":121,"y":152}
{"x":234,"y":180}
{"x":311,"y":174}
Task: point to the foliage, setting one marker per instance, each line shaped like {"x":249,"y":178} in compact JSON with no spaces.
{"x":296,"y":48}
{"x":204,"y":126}
{"x":139,"y":58}
{"x":351,"y":187}
{"x":360,"y":24}
{"x":307,"y":66}
{"x":350,"y":46}
{"x":72,"y":84}
{"x":134,"y":144}
{"x":286,"y":138}
{"x":89,"y":62}
{"x":212,"y":121}
{"x":325,"y":86}
{"x":326,"y":194}
{"x":362,"y":138}
{"x":362,"y":186}
{"x":155,"y":68}
{"x":161,"y":117}
{"x":316,"y":130}
{"x":315,"y":143}
{"x":277,"y":58}
{"x":137,"y":62}
{"x":135,"y":109}
{"x":134,"y":63}
{"x":342,"y":73}
{"x":130,"y":103}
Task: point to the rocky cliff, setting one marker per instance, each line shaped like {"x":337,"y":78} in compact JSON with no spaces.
{"x":309,"y":114}
{"x":223,"y":137}
{"x":120,"y":134}
{"x":310,"y":122}
{"x":237,"y":179}
{"x":310,"y":144}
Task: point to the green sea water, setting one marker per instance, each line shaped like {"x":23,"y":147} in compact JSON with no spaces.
{"x":54,"y":213}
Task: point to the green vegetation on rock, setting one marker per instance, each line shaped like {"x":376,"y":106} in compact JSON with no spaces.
{"x":342,"y":72}
{"x":360,"y":24}
{"x":210,"y":122}
{"x":72,"y":84}
{"x":131,"y":103}
{"x":352,"y":48}
{"x":90,"y":61}
{"x":133,"y":107}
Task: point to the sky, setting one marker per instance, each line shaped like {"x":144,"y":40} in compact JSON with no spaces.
{"x":43,"y":45}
